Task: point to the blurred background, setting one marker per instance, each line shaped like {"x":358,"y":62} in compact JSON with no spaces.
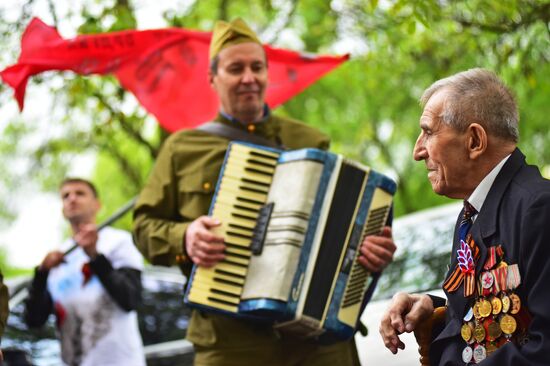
{"x":89,"y":126}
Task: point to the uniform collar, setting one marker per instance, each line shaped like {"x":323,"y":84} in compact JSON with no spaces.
{"x":265,"y":116}
{"x":268,"y":127}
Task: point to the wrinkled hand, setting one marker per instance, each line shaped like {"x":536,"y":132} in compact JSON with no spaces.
{"x":404,"y":314}
{"x":203,"y":246}
{"x":86,"y":237}
{"x":377,"y":250}
{"x":52,"y":260}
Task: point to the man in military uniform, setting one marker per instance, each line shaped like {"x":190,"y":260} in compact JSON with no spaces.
{"x":497,"y":286}
{"x":3,"y":308}
{"x":171,"y":225}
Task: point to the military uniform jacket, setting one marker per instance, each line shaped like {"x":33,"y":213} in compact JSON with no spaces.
{"x":180,"y":189}
{"x":516,"y":215}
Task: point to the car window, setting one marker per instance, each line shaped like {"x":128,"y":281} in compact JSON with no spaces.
{"x":163,"y":316}
{"x":423,"y":250}
{"x":41,"y":345}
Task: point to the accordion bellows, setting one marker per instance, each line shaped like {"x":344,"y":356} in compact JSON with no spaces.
{"x":293,"y":222}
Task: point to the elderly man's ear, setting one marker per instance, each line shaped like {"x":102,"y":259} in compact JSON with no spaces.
{"x":476,"y":140}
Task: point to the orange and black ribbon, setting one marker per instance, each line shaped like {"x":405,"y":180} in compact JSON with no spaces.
{"x":467,"y":256}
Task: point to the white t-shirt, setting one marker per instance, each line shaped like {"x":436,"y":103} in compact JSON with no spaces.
{"x":94,"y":330}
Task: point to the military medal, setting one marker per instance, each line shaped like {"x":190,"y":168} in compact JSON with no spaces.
{"x":491,"y":321}
{"x":516,"y":304}
{"x":479,"y":353}
{"x":475,"y":309}
{"x":487,"y":280}
{"x":479,"y":333}
{"x":466,"y":332}
{"x":505,"y":303}
{"x":467,"y":354}
{"x":496,"y":304}
{"x":493,"y":331}
{"x":508,"y":324}
{"x":485,"y":308}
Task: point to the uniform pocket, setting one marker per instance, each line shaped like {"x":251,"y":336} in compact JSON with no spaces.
{"x":195,"y":192}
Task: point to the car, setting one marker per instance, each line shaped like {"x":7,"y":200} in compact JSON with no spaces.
{"x":423,"y":250}
{"x":162,"y":320}
{"x":420,"y":263}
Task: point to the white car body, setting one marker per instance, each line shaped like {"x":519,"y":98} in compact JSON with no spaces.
{"x":434,"y":229}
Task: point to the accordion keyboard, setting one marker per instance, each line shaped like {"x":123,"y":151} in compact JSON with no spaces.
{"x":242,"y":191}
{"x":358,"y":276}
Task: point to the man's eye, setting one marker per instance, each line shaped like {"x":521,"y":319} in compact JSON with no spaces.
{"x":234,"y":70}
{"x":257,"y":68}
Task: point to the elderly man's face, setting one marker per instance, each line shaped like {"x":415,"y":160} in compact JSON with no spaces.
{"x":241,"y":80}
{"x":443,"y":149}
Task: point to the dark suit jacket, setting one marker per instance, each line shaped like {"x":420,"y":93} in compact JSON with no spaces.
{"x":516,"y":214}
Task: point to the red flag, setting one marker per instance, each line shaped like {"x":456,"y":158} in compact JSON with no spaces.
{"x":166,"y":69}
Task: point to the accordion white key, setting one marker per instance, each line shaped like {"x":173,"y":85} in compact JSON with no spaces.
{"x":293,"y":222}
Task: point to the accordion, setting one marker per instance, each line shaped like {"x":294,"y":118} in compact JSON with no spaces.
{"x":293,"y":222}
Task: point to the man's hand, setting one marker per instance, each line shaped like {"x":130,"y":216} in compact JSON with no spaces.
{"x":87,"y":239}
{"x":52,"y":259}
{"x":404,"y":314}
{"x":377,"y":250}
{"x":203,"y":246}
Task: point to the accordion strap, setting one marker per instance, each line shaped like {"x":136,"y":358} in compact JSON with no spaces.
{"x":233,"y":134}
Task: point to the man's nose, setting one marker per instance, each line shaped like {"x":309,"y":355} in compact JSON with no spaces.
{"x":248,"y":76}
{"x":419,"y":151}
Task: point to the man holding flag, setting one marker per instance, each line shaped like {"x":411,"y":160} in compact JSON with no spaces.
{"x":171,"y":225}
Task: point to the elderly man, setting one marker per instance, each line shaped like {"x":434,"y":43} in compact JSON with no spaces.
{"x":171,"y":225}
{"x":497,"y":286}
{"x":93,"y":290}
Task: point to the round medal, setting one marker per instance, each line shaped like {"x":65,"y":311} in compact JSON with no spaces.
{"x":479,"y":353}
{"x":469,"y":315}
{"x":505,"y":303}
{"x":479,"y":333}
{"x":487,"y":280}
{"x":516,"y":304}
{"x":493,"y":331}
{"x":496,"y":304}
{"x":466,"y":332}
{"x":508,"y":324}
{"x":485,"y":308}
{"x":475,"y":309}
{"x":467,"y":354}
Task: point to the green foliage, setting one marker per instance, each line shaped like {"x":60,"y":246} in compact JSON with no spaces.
{"x":9,"y":271}
{"x":368,"y":106}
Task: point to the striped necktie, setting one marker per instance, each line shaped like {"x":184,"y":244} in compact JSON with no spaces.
{"x":466,"y":222}
{"x":467,"y":254}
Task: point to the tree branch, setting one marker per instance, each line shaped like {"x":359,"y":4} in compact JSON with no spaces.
{"x":126,"y":125}
{"x":536,"y":13}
